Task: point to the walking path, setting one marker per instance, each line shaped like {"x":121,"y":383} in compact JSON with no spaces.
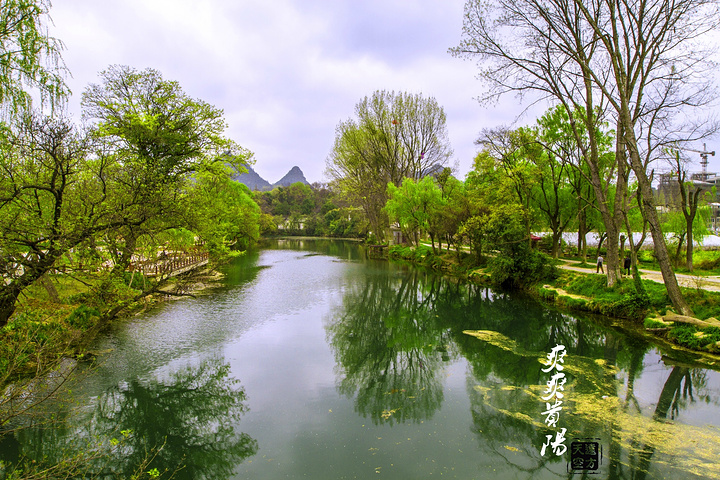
{"x":711,"y":283}
{"x":691,"y":281}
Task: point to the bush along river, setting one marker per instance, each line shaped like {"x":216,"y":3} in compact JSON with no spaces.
{"x":312,"y":361}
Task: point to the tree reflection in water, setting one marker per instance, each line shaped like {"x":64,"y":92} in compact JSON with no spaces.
{"x":184,"y":424}
{"x":505,"y":409}
{"x":390,"y":349}
{"x":394,"y":333}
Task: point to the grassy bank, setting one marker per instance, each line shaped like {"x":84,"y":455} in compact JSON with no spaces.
{"x":589,"y":292}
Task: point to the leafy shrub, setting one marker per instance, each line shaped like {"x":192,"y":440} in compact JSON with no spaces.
{"x":82,"y":317}
{"x":526,"y":267}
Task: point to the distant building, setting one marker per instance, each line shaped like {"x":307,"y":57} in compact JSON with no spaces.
{"x":668,"y":190}
{"x":668,"y":193}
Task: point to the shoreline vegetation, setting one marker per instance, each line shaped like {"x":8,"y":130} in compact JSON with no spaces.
{"x":48,"y":329}
{"x":588,"y":292}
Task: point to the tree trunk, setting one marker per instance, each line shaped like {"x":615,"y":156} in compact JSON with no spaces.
{"x":9,"y":293}
{"x":661,"y":251}
{"x":637,"y":281}
{"x":689,"y":253}
{"x":601,"y":239}
{"x":581,"y":227}
{"x":50,"y":288}
{"x":555,"y":247}
{"x":627,"y":132}
{"x":8,"y":297}
{"x":681,"y":240}
{"x":613,"y":261}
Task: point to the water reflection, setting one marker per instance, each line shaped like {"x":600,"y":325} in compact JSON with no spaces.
{"x":183,"y":424}
{"x":600,"y":403}
{"x":448,"y":376}
{"x":390,"y":348}
{"x":344,"y":249}
{"x":395,"y":332}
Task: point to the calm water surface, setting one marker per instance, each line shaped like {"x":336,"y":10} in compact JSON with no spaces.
{"x":314,"y":362}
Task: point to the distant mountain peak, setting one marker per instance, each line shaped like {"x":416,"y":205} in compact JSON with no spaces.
{"x":255,"y":182}
{"x":293,"y":176}
{"x":252,"y":180}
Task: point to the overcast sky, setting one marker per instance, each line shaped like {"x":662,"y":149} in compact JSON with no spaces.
{"x":285,"y":72}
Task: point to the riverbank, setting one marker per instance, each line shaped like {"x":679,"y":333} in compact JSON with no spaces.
{"x":576,"y":287}
{"x":51,"y":325}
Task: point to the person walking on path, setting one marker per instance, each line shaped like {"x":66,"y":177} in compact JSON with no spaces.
{"x":626,"y":265}
{"x":599,"y":265}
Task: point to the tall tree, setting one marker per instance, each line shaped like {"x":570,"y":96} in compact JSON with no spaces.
{"x":690,"y":196}
{"x":395,"y":136}
{"x":638,"y":60}
{"x":414,"y":205}
{"x":160,"y":137}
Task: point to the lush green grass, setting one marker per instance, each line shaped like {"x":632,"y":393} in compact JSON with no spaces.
{"x":652,"y":323}
{"x":697,"y":339}
{"x":621,"y":300}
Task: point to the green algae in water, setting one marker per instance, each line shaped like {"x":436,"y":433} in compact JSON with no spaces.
{"x":644,"y":439}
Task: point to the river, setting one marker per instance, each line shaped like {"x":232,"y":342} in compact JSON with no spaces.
{"x":312,"y":361}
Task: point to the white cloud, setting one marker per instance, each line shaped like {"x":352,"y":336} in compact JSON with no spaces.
{"x":285,"y":72}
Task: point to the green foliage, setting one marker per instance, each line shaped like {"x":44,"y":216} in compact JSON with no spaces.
{"x":706,"y":259}
{"x":411,"y":254}
{"x":29,"y":341}
{"x":572,"y":302}
{"x":82,"y":317}
{"x":415,"y":205}
{"x":53,"y":200}
{"x":224,"y":214}
{"x":514,"y":263}
{"x":29,"y":57}
{"x":631,"y":305}
{"x":547,"y":293}
{"x":705,"y":304}
{"x":621,"y":300}
{"x":526,"y":267}
{"x":395,"y":136}
{"x":650,"y":323}
{"x":301,"y":209}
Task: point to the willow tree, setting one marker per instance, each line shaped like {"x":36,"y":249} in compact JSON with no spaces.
{"x":637,"y":64}
{"x":29,"y":58}
{"x":394,"y":136}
